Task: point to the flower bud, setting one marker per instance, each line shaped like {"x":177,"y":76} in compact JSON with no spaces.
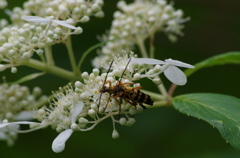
{"x":82,"y":120}
{"x":85,"y":75}
{"x":115,"y":134}
{"x":26,"y":56}
{"x":12,"y":52}
{"x":123,"y":121}
{"x":14,"y":70}
{"x":39,"y":52}
{"x":139,"y":109}
{"x":132,"y":110}
{"x":76,"y":10}
{"x":94,"y":107}
{"x":132,"y":121}
{"x":78,"y":84}
{"x":32,"y":28}
{"x":95,"y":7}
{"x":82,"y":126}
{"x":157,"y":81}
{"x":99,"y":2}
{"x":9,"y":115}
{"x":157,"y":68}
{"x":99,"y":14}
{"x":85,"y":19}
{"x":37,"y":91}
{"x":92,"y":113}
{"x":96,"y":72}
{"x":2,"y":39}
{"x":136,"y":76}
{"x":78,"y":30}
{"x":74,"y":127}
{"x":2,"y":50}
{"x":41,"y":112}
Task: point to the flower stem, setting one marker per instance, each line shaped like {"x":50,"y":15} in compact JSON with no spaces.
{"x":171,"y":89}
{"x":48,"y":52}
{"x":155,"y":96}
{"x":51,"y":69}
{"x":71,"y":56}
{"x":44,"y":102}
{"x":88,"y":51}
{"x":152,"y":46}
{"x":159,"y":104}
{"x":142,"y":48}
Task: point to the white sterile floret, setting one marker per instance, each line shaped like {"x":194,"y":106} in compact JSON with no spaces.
{"x":58,"y":144}
{"x":174,"y":74}
{"x":178,"y":63}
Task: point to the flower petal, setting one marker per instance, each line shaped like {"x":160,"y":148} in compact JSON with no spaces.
{"x":35,"y":19}
{"x":64,"y":23}
{"x":12,"y":125}
{"x":178,"y":63}
{"x":58,"y":144}
{"x":76,"y":111}
{"x":147,"y":61}
{"x":175,"y":75}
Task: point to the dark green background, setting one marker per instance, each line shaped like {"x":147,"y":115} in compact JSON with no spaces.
{"x":159,"y":132}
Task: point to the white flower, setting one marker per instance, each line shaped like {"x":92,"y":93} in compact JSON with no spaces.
{"x":174,"y":74}
{"x":38,"y":19}
{"x":58,"y":144}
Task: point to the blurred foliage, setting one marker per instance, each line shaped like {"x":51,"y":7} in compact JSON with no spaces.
{"x":214,"y":28}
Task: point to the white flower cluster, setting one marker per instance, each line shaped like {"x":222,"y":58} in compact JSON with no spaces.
{"x":15,"y":103}
{"x":77,"y":10}
{"x":19,"y":43}
{"x":138,"y":21}
{"x":85,"y":106}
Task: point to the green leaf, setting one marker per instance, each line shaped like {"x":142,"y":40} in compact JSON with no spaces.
{"x":27,"y":78}
{"x":226,"y":58}
{"x":221,"y":111}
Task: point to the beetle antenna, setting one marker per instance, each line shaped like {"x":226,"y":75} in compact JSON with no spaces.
{"x":124,"y":70}
{"x":104,"y":83}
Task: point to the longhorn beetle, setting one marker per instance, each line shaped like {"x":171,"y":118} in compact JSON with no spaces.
{"x":131,"y":95}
